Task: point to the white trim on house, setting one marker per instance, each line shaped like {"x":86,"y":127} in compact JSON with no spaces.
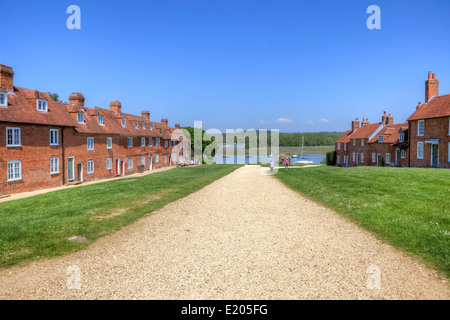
{"x":420,"y":143}
{"x":14,"y":170}
{"x":100,"y":120}
{"x":108,"y":143}
{"x":142,"y":141}
{"x":130,"y":163}
{"x":90,"y":143}
{"x":3,"y":99}
{"x":54,"y":137}
{"x":388,"y":158}
{"x":80,"y":117}
{"x":90,"y":167}
{"x":16,"y":139}
{"x":54,"y":165}
{"x":130,"y":142}
{"x":109,"y":164}
{"x":42,"y":105}
{"x":420,"y":132}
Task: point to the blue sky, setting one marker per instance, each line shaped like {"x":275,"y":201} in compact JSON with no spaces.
{"x":234,"y":63}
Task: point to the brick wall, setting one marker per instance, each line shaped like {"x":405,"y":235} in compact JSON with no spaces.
{"x":437,"y":128}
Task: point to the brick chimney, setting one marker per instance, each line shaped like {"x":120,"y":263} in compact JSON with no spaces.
{"x":77,"y":99}
{"x":419,"y":105}
{"x":164,"y":122}
{"x":146,"y":114}
{"x":390,"y":119}
{"x":431,"y":87}
{"x":365,"y":122}
{"x":6,"y":77}
{"x":355,"y":124}
{"x":116,"y":106}
{"x":384,"y":117}
{"x":177,"y":126}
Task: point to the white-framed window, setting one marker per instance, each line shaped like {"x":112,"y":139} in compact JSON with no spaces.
{"x":100,"y":120}
{"x":354,"y":142}
{"x":151,"y":126}
{"x":362,"y":157}
{"x":354,"y":157}
{"x":109,"y":164}
{"x":80,"y":117}
{"x":403,"y":153}
{"x":54,"y":138}
{"x":150,"y":141}
{"x":448,"y":158}
{"x":136,"y":125}
{"x":142,"y":141}
{"x":388,"y":158}
{"x":420,"y":127}
{"x":157,"y":142}
{"x":124,"y":122}
{"x":13,"y":137}
{"x":14,"y":170}
{"x":338,"y":159}
{"x":3,"y":99}
{"x":130,"y":142}
{"x":54,"y":165}
{"x":157,"y":158}
{"x":143,"y":125}
{"x":380,"y":138}
{"x":339,"y":146}
{"x":90,"y":144}
{"x":130,"y":163}
{"x":419,"y":150}
{"x":345,"y":147}
{"x":362,"y":142}
{"x":165,"y":158}
{"x":90,"y":166}
{"x":166,"y":144}
{"x":373,"y":156}
{"x":109,"y":143}
{"x":42,"y":105}
{"x":401,"y":136}
{"x":143,"y":161}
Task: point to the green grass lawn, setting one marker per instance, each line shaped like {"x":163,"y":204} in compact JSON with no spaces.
{"x":38,"y":227}
{"x":407,"y":207}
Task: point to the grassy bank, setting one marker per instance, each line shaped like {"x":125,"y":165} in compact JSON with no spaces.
{"x":407,"y":207}
{"x":38,"y":227}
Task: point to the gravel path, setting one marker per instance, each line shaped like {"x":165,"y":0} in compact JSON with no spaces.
{"x":245,"y":236}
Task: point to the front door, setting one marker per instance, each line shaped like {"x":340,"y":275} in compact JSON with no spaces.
{"x":434,"y":155}
{"x":80,"y":171}
{"x":397,"y":157}
{"x":122,"y":165}
{"x":70,"y":169}
{"x":378,"y":160}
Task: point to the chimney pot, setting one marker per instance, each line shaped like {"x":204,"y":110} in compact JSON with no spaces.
{"x":431,"y":87}
{"x":146,"y":114}
{"x":77,"y":99}
{"x":115,"y":106}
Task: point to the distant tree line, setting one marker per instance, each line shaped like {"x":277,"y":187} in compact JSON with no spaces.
{"x":311,"y":139}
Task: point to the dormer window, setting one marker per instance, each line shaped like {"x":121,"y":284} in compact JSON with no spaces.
{"x":3,"y":99}
{"x":151,"y":126}
{"x":42,"y":105}
{"x":100,"y":120}
{"x":401,"y":136}
{"x":124,"y":122}
{"x":380,"y":138}
{"x":80,"y":117}
{"x":136,"y":125}
{"x":143,"y":125}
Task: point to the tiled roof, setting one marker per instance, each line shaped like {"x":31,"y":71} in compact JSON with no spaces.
{"x":366,"y":131}
{"x":436,"y":108}
{"x":390,"y":133}
{"x":22,"y":108}
{"x":345,"y":137}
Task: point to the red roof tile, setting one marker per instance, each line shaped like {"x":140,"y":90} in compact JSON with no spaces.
{"x":366,"y":131}
{"x":390,"y":133}
{"x":345,"y":137}
{"x":436,"y":108}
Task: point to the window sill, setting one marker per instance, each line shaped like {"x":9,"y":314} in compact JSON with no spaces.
{"x":54,"y":173}
{"x":13,"y":145}
{"x":12,"y":180}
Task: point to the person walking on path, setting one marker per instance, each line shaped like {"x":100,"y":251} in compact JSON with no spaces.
{"x":286,"y":163}
{"x":271,"y":165}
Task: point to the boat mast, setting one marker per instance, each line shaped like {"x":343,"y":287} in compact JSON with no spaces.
{"x":303,"y":140}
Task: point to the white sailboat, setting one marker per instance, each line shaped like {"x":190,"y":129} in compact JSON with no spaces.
{"x":300,"y":159}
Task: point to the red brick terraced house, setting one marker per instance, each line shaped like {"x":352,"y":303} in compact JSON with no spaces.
{"x":423,"y":141}
{"x":429,"y":128}
{"x":46,"y":144}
